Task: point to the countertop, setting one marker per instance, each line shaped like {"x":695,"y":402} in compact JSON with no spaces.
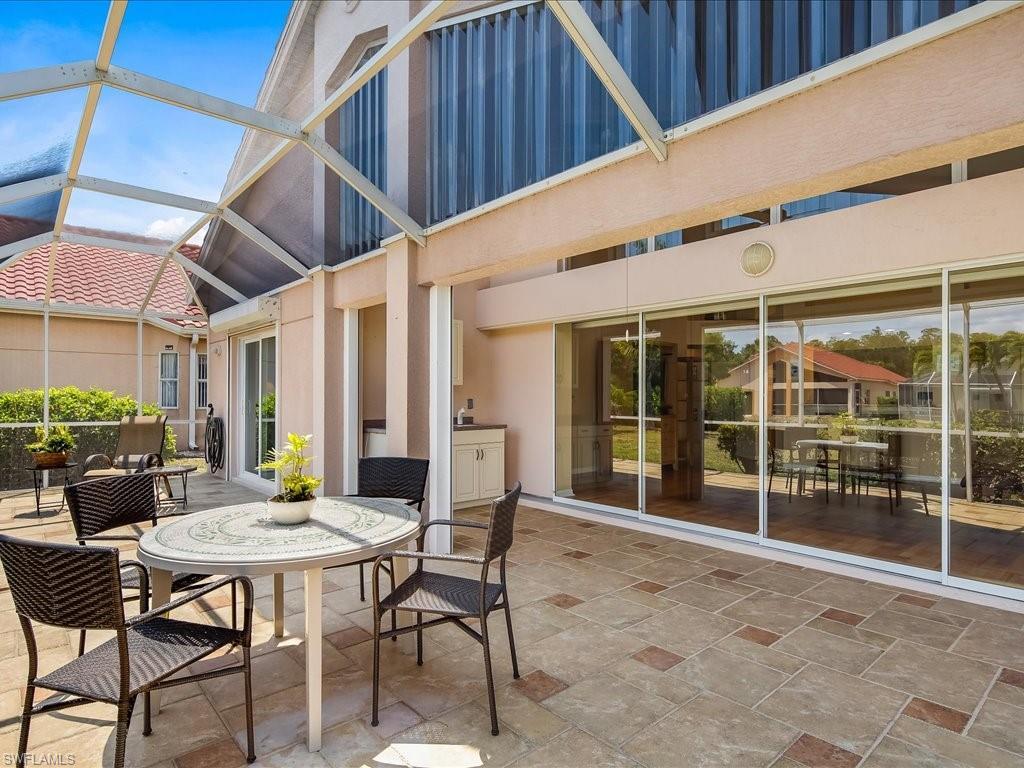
{"x":380,"y":425}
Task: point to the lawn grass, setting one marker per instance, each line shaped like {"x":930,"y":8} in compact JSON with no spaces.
{"x":624,"y":448}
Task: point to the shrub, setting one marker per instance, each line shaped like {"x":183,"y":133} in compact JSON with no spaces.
{"x":724,"y":403}
{"x":67,"y":404}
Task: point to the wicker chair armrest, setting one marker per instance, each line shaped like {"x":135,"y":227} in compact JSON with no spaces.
{"x":148,"y":461}
{"x":97,"y":461}
{"x":194,"y":594}
{"x":427,"y":556}
{"x":143,"y":581}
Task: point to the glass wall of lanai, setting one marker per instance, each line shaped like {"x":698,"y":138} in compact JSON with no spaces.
{"x":822,"y":422}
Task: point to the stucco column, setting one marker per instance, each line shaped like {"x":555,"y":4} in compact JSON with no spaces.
{"x":328,"y":412}
{"x":408,"y":352}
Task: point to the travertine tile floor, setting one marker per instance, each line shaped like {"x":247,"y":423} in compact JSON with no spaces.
{"x":636,"y":649}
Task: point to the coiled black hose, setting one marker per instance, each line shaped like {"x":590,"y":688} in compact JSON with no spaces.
{"x":214,"y":441}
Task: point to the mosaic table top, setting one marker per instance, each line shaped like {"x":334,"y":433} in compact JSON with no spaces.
{"x":339,"y":530}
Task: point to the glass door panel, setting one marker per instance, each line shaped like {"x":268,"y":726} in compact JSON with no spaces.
{"x":259,"y":419}
{"x":700,"y":409}
{"x":986,"y":460}
{"x":597,"y":412}
{"x":853,"y":404}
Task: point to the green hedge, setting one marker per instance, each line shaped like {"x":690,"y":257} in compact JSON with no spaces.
{"x":67,"y":404}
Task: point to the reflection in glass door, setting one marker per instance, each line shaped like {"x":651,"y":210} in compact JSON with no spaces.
{"x":259,"y":417}
{"x":986,"y":462}
{"x":597,"y":432}
{"x":700,"y":408}
{"x":853,"y":406}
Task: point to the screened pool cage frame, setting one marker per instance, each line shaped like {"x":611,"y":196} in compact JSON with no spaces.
{"x":100,"y":72}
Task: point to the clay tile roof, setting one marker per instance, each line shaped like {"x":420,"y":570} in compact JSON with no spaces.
{"x":846,"y":365}
{"x":102,"y":277}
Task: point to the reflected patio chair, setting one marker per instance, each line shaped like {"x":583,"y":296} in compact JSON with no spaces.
{"x":886,"y":470}
{"x":105,"y":503}
{"x":452,"y":598}
{"x":140,"y":443}
{"x":71,"y":587}
{"x":798,"y":461}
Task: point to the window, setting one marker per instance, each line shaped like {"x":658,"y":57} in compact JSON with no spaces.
{"x":201,"y":396}
{"x":168,"y":379}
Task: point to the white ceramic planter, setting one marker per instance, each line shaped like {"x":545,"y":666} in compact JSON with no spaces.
{"x":849,"y":439}
{"x":291,"y":512}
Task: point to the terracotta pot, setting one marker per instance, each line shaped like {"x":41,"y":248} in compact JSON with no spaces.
{"x":290,"y":512}
{"x":47,"y":460}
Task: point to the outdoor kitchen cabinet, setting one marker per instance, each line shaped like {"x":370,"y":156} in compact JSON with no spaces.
{"x":478,"y":465}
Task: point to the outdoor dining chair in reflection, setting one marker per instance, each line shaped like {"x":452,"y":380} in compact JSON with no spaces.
{"x":452,"y":598}
{"x":72,"y":587}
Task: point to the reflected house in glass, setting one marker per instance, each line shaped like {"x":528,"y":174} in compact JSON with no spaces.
{"x":833,"y":383}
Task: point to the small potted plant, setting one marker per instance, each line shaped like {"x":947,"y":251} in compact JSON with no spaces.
{"x":296,"y":501}
{"x":847,"y":428}
{"x":52,"y":448}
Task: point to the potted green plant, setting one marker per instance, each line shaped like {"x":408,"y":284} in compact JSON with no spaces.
{"x":51,"y":448}
{"x":847,"y":427}
{"x":296,"y":501}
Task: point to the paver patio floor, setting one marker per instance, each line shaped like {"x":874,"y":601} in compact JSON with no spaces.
{"x":635,"y":649}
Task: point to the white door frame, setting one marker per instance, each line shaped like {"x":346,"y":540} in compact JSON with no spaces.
{"x":240,"y":474}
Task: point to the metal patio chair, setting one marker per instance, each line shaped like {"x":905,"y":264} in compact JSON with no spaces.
{"x":72,"y":587}
{"x":105,"y":503}
{"x":390,"y":477}
{"x":452,"y":598}
{"x":140,"y":442}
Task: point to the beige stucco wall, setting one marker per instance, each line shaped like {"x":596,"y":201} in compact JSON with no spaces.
{"x":972,"y":220}
{"x":95,"y":352}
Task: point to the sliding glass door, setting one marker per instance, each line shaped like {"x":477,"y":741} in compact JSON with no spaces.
{"x":834,"y":425}
{"x":986,"y":392}
{"x":853,"y":412}
{"x":258,"y":382}
{"x":597,"y":401}
{"x":700,"y":407}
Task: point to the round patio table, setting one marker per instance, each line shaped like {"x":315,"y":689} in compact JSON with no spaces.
{"x":244,"y":540}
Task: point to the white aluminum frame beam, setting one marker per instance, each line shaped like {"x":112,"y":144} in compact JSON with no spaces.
{"x":390,"y":51}
{"x":587,"y":38}
{"x":119,"y":189}
{"x":14,"y":251}
{"x":191,"y":267}
{"x":59,"y":77}
{"x":24,"y":190}
{"x":370,"y":191}
{"x":79,"y":238}
{"x":264,"y":242}
{"x":197,"y":101}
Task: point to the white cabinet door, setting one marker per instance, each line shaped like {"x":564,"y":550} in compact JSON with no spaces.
{"x":465,"y":477}
{"x":492,"y":470}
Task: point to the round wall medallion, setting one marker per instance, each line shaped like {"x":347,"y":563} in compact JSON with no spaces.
{"x":757,"y":258}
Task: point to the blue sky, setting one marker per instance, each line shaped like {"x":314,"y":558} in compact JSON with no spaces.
{"x":220,"y":47}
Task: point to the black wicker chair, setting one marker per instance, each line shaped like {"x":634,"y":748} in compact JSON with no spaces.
{"x":106,"y":503}
{"x":452,"y":598}
{"x":72,"y":587}
{"x":390,"y":477}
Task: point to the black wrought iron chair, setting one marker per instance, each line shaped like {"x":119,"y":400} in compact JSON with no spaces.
{"x":390,"y":477}
{"x":72,"y":587}
{"x":115,"y":501}
{"x":452,"y":598}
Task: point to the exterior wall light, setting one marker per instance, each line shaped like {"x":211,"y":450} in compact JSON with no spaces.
{"x":757,"y":258}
